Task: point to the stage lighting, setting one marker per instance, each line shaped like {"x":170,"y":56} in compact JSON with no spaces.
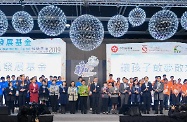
{"x":3,"y":23}
{"x":22,"y":22}
{"x":163,"y":25}
{"x":118,"y":25}
{"x":184,"y":20}
{"x":52,"y":20}
{"x":86,"y":32}
{"x":137,"y":17}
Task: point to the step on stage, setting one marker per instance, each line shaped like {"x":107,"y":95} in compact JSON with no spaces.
{"x":13,"y":118}
{"x":149,"y":119}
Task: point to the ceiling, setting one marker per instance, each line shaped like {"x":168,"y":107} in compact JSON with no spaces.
{"x":103,"y":9}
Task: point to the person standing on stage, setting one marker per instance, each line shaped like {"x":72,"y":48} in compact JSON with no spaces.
{"x":135,"y":90}
{"x":44,"y":92}
{"x":63,"y":100}
{"x":10,"y":97}
{"x":33,"y":89}
{"x":114,"y":93}
{"x":180,"y":87}
{"x":78,"y":84}
{"x":95,"y":89}
{"x":124,"y":91}
{"x":158,"y":89}
{"x":16,"y":86}
{"x":111,"y":80}
{"x":4,"y":86}
{"x":105,"y":97}
{"x":83,"y":91}
{"x":73,"y":96}
{"x":54,"y":95}
{"x":166,"y":93}
{"x":23,"y":89}
{"x":184,"y":92}
{"x":170,"y":85}
{"x":146,"y":89}
{"x":175,"y":93}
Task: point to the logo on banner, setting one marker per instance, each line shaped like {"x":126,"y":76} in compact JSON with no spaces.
{"x":144,"y":49}
{"x":177,"y":49}
{"x":86,"y":69}
{"x":114,"y":49}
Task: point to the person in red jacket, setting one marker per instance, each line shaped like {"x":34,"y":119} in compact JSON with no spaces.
{"x":33,"y":89}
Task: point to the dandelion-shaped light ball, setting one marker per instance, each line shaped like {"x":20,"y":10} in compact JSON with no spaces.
{"x":184,"y":20}
{"x":118,"y":25}
{"x":86,"y":32}
{"x":163,"y":25}
{"x":137,"y":17}
{"x":22,"y":22}
{"x":3,"y":23}
{"x":52,"y":20}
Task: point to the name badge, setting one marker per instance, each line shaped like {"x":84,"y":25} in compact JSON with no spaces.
{"x":147,"y":86}
{"x":97,"y":86}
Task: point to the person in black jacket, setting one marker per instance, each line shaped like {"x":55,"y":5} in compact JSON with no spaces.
{"x":44,"y":92}
{"x":95,"y":89}
{"x":146,"y":89}
{"x":10,"y":92}
{"x":23,"y":89}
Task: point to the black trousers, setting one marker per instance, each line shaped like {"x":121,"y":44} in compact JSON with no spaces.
{"x":78,"y":103}
{"x":166,"y":98}
{"x":83,"y":102}
{"x":175,"y":99}
{"x":95,"y":102}
{"x":105,"y":104}
{"x":22,"y":100}
{"x":90,"y":98}
{"x":1,"y":100}
{"x":54,"y":102}
{"x":146,"y":103}
{"x":157,"y":103}
{"x":72,"y":105}
{"x":184,"y":100}
{"x":16,"y":102}
{"x":10,"y":105}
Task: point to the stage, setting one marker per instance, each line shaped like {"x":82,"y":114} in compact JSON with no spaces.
{"x":96,"y":118}
{"x":13,"y":118}
{"x":149,"y":119}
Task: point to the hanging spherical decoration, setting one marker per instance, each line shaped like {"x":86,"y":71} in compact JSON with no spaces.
{"x":52,"y":20}
{"x":137,"y":17}
{"x":86,"y":32}
{"x":184,"y":20}
{"x":163,"y":25}
{"x":22,"y":22}
{"x":3,"y":23}
{"x":118,"y":25}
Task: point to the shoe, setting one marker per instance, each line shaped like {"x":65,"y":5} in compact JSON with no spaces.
{"x":161,"y":112}
{"x":93,"y":113}
{"x":156,"y":112}
{"x":85,"y":113}
{"x":106,"y":112}
{"x":147,"y":112}
{"x":103,"y":112}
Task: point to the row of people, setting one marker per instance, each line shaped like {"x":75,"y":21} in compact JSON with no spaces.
{"x":136,"y":92}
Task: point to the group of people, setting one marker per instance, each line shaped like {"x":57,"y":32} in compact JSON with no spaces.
{"x":106,"y":96}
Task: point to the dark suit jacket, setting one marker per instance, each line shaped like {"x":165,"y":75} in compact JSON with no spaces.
{"x":97,"y":87}
{"x":149,"y":87}
{"x":122,"y":89}
{"x":25,"y":86}
{"x":10,"y":97}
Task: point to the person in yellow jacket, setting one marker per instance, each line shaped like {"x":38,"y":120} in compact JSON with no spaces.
{"x":83,"y":92}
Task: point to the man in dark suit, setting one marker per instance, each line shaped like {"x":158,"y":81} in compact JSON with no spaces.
{"x":146,"y":89}
{"x":95,"y":89}
{"x":158,"y":95}
{"x":124,"y":91}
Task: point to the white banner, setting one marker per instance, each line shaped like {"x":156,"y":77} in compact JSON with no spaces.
{"x":151,"y":59}
{"x":23,"y":55}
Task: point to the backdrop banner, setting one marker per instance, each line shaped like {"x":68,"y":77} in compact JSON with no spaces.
{"x":23,"y":55}
{"x":147,"y":59}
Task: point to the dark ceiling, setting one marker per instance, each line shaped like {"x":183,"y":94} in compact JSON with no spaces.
{"x":103,"y":12}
